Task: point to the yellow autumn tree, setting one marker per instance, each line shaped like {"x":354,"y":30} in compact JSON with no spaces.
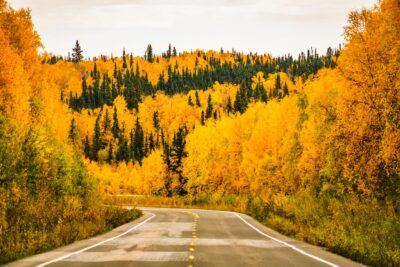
{"x":368,"y":108}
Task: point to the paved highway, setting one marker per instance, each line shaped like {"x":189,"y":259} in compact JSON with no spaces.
{"x":187,"y":237}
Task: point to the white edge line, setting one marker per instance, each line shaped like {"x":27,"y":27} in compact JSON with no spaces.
{"x":286,"y":244}
{"x":97,"y":244}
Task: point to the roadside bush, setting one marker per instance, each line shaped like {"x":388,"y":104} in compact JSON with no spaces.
{"x":47,"y":198}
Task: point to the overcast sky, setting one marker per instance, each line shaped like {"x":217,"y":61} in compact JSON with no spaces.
{"x":273,"y":26}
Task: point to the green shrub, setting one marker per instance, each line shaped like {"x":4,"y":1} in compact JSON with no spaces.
{"x":47,"y":198}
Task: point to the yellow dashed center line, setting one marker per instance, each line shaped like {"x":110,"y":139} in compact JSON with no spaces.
{"x":194,"y":238}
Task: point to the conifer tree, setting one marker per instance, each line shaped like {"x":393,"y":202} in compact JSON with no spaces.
{"x":229,"y":105}
{"x":123,"y":151}
{"x":169,"y":51}
{"x":257,"y":92}
{"x":132,"y":146}
{"x":149,"y":54}
{"x":95,"y":74}
{"x":278,"y":82}
{"x":130,"y":60}
{"x":190,"y":101}
{"x":115,"y":128}
{"x":209,"y":110}
{"x":156,"y":121}
{"x":239,"y":103}
{"x":124,"y":65}
{"x":137,"y":73}
{"x":285,"y":90}
{"x":167,"y":161}
{"x":264,"y":97}
{"x":177,"y":154}
{"x":152,"y":145}
{"x":97,"y":140}
{"x":87,"y":149}
{"x":197,"y":99}
{"x":139,"y":142}
{"x":71,"y":101}
{"x":132,"y":96}
{"x":106,"y":122}
{"x":77,"y":53}
{"x":162,"y":137}
{"x":72,"y":131}
{"x":85,"y":96}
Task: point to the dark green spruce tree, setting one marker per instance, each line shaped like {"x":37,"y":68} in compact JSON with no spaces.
{"x":149,"y":54}
{"x":123,"y":150}
{"x":106,"y":122}
{"x":72,"y":131}
{"x":97,"y":139}
{"x":139,"y":142}
{"x":86,"y":147}
{"x":190,"y":101}
{"x":85,"y":99}
{"x":177,"y":154}
{"x":238,"y":104}
{"x":77,"y":53}
{"x":115,"y":127}
{"x":152,"y":144}
{"x":156,"y":121}
{"x":169,"y":51}
{"x":241,"y":100}
{"x":167,"y":161}
{"x":277,"y":86}
{"x":124,"y":65}
{"x":209,"y":110}
{"x":229,"y":107}
{"x":285,"y":90}
{"x":198,"y":104}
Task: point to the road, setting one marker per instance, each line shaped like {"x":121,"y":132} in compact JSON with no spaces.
{"x":188,"y":237}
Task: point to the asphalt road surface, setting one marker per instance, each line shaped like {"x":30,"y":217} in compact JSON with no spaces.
{"x":188,"y":237}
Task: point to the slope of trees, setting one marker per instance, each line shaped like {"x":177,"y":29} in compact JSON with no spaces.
{"x":133,"y":82}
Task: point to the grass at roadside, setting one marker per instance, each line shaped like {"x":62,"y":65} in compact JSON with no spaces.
{"x":116,"y":216}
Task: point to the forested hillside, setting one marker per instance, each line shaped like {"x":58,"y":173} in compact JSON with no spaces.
{"x":309,"y":145}
{"x":133,"y":112}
